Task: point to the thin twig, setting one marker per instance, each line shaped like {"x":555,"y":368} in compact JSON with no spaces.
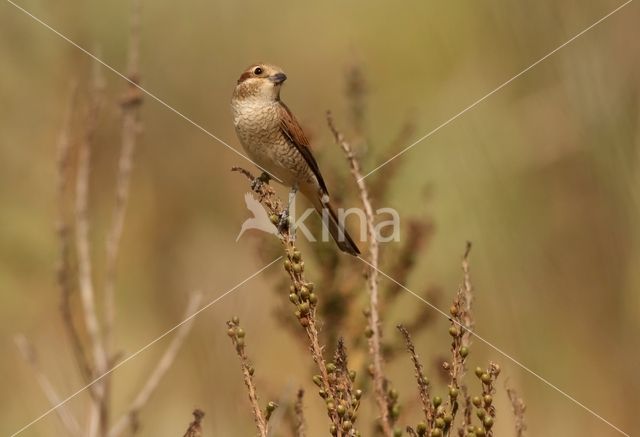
{"x":66,"y":417}
{"x":375,"y":350}
{"x":87,"y":292}
{"x":130,"y":130}
{"x":63,"y":229}
{"x":129,"y":419}
{"x":195,"y":427}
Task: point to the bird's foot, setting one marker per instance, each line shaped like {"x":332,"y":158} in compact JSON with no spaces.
{"x":264,"y":178}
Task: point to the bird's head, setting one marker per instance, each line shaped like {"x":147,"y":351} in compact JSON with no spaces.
{"x":261,"y":81}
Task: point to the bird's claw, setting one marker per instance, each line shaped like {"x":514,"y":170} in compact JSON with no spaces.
{"x":264,"y":178}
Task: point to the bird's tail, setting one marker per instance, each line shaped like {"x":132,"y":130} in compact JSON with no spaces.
{"x":336,"y":228}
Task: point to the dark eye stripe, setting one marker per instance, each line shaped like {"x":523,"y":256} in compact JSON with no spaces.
{"x":246,"y":75}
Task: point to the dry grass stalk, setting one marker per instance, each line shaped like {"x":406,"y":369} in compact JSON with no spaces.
{"x":63,"y":231}
{"x":129,"y":419}
{"x":374,"y":329}
{"x":130,"y":130}
{"x":237,"y":335}
{"x":195,"y":427}
{"x":98,"y":417}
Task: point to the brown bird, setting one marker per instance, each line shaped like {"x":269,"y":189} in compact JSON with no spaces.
{"x":274,"y":140}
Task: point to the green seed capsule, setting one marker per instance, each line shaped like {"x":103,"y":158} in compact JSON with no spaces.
{"x":304,"y":307}
{"x":464,"y":351}
{"x":488,"y":422}
{"x":437,"y":400}
{"x":304,"y":293}
{"x":395,"y":411}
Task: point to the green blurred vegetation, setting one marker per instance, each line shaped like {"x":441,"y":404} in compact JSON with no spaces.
{"x":542,"y":177}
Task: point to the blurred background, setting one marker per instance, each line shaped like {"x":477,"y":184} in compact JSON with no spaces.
{"x":542,"y":177}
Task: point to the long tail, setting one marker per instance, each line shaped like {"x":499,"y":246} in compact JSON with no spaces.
{"x":336,"y":229}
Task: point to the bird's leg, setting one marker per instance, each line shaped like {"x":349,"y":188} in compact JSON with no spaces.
{"x":264,"y":178}
{"x":284,"y":216}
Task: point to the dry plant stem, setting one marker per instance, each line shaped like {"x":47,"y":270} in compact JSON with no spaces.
{"x":372,"y":282}
{"x":63,"y":230}
{"x":423,"y":384}
{"x":66,"y":417}
{"x":268,"y":197}
{"x":237,"y":337}
{"x":299,"y":414}
{"x":98,"y":418}
{"x":129,"y":420}
{"x":130,"y":130}
{"x":195,"y":427}
{"x":518,"y":407}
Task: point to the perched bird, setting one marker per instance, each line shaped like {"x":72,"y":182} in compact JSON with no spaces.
{"x":273,"y":139}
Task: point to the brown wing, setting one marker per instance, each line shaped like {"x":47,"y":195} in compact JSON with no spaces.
{"x":292,"y":130}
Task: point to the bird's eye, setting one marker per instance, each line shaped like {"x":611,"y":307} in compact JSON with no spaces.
{"x":257,"y":71}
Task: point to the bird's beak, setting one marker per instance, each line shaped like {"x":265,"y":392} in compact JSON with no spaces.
{"x":278,"y":78}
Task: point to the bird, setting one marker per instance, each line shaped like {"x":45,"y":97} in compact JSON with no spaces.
{"x":260,"y":219}
{"x":274,"y":140}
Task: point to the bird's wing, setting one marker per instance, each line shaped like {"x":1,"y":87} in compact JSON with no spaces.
{"x":292,"y":130}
